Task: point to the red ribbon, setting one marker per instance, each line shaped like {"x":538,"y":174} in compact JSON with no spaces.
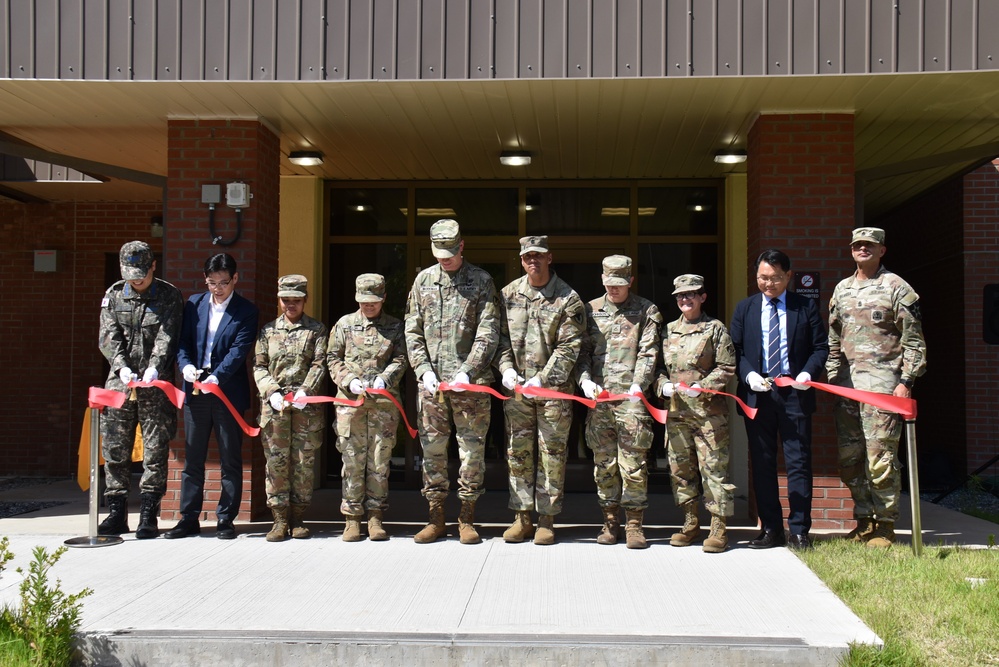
{"x":214,"y":389}
{"x":541,"y":392}
{"x":474,"y":388}
{"x":356,"y":403}
{"x":175,"y":395}
{"x":750,"y":412}
{"x":98,"y":397}
{"x":903,"y":406}
{"x":657,"y":414}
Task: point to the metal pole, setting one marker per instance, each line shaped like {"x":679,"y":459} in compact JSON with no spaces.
{"x":917,"y":522}
{"x":93,"y":539}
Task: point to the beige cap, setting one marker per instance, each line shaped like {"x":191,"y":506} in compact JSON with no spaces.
{"x":616,"y":270}
{"x":445,"y":238}
{"x":135,"y":258}
{"x":872,"y":234}
{"x":688,"y":282}
{"x":369,"y":287}
{"x":533,"y":244}
{"x":294,"y":285}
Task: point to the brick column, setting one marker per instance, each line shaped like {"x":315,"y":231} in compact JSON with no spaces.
{"x":800,"y":178}
{"x":203,"y":152}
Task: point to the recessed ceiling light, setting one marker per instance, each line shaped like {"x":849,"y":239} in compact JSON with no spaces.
{"x":306,"y":158}
{"x":515,"y":158}
{"x":730,"y":156}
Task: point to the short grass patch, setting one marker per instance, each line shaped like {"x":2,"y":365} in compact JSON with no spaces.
{"x":939,"y":609}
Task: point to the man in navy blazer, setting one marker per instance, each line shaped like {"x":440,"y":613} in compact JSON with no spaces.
{"x":218,"y":332}
{"x":777,"y":333}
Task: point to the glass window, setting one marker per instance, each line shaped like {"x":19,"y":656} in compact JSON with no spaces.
{"x":479,"y":211}
{"x":660,"y":263}
{"x":678,"y":211}
{"x":367,"y":211}
{"x":347,"y":261}
{"x":578,"y":211}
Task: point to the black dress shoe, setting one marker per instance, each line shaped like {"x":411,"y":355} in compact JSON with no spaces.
{"x":225,"y":530}
{"x":183,"y":529}
{"x":799,"y":542}
{"x":769,"y":539}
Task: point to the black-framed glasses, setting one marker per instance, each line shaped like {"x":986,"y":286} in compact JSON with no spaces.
{"x":687,"y":295}
{"x":216,"y":285}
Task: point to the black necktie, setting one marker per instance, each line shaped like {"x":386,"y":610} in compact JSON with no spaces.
{"x":773,"y":346}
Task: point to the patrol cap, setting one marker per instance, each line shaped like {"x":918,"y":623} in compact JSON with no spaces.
{"x":872,"y":234}
{"x":369,"y":287}
{"x":293,"y":285}
{"x":616,"y":270}
{"x":136,"y":258}
{"x":445,"y":237}
{"x":688,"y":282}
{"x":533,"y":244}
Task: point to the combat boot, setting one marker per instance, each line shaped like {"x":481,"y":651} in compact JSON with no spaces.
{"x":546,"y":530}
{"x":298,"y":528}
{"x":691,"y":528}
{"x":148,"y":513}
{"x":717,"y":541}
{"x":883,"y":535}
{"x":352,"y":528}
{"x":279,"y":531}
{"x":116,"y":521}
{"x":635,"y":536}
{"x":862,"y":533}
{"x":466,"y":531}
{"x":434,"y":530}
{"x":612,"y":525}
{"x":521,"y":529}
{"x":376,"y":531}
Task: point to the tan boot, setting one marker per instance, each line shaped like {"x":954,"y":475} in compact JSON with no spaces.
{"x":546,"y":530}
{"x":279,"y":532}
{"x":521,"y":529}
{"x":466,"y":531}
{"x":434,"y":530}
{"x":862,"y":533}
{"x":298,"y":529}
{"x":717,"y":541}
{"x":352,"y":528}
{"x":883,"y":535}
{"x":691,"y":526}
{"x":376,"y":531}
{"x":635,"y":536}
{"x":612,"y":525}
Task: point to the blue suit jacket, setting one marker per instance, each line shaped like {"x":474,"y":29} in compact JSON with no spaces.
{"x":234,"y":340}
{"x":807,"y":343}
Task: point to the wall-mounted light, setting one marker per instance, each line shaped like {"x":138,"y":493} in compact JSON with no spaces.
{"x":306,"y":158}
{"x":156,"y":226}
{"x":730,"y":156}
{"x":515,"y":158}
{"x":359,"y":208}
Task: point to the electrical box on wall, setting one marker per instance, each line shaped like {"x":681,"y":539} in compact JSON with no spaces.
{"x":211,"y":193}
{"x":46,"y":261}
{"x":237,"y":195}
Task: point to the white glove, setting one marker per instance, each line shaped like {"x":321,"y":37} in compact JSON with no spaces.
{"x":460,"y":377}
{"x":799,"y":382}
{"x":211,"y":379}
{"x":511,"y":379}
{"x":378,"y":383}
{"x":755,"y":382}
{"x":356,"y":386}
{"x":298,"y":396}
{"x":635,"y":393}
{"x":533,"y":382}
{"x":151,"y":375}
{"x":667,"y":389}
{"x":126,"y":375}
{"x":693,"y":390}
{"x":276,"y":401}
{"x":590,"y":388}
{"x":430,"y":382}
{"x":191,"y":373}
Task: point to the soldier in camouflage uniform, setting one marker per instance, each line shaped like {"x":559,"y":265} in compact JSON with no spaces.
{"x":140,"y":326}
{"x":452,"y":329}
{"x":698,"y":351}
{"x":875,"y":344}
{"x":542,"y":331}
{"x":289,"y":358}
{"x":367,"y":350}
{"x":619,"y":354}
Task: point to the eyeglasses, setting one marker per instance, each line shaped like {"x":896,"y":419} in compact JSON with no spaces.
{"x":687,"y":295}
{"x":863,"y":244}
{"x":216,"y":285}
{"x":770,"y":280}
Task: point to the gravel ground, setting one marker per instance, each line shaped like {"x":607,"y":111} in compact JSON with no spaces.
{"x":13,"y":508}
{"x":972,"y":496}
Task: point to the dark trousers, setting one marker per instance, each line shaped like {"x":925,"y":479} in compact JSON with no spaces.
{"x":204,"y":415}
{"x":780,"y":414}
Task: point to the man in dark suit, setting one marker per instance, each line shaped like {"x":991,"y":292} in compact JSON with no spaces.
{"x":779,"y":333}
{"x":218,"y":331}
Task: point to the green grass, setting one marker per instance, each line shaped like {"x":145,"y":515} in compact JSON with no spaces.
{"x":14,"y":651}
{"x":924,"y":608}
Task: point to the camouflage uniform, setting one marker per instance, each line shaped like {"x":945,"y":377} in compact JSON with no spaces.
{"x":541,"y":335}
{"x":452,"y":326}
{"x":875,"y":342}
{"x":697,"y":437}
{"x":138,"y":331}
{"x":363,"y":349}
{"x":620,"y":349}
{"x":290,"y":357}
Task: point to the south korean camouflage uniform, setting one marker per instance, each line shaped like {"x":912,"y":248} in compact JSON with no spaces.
{"x":875,"y":342}
{"x":452,"y":326}
{"x":290,"y":357}
{"x":541,"y":335}
{"x":620,"y":349}
{"x":697,"y":434}
{"x":363,"y":349}
{"x":139,"y":331}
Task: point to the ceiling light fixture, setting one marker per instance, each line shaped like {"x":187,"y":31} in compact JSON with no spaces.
{"x":515,"y":158}
{"x":730,"y":156}
{"x":306,"y":158}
